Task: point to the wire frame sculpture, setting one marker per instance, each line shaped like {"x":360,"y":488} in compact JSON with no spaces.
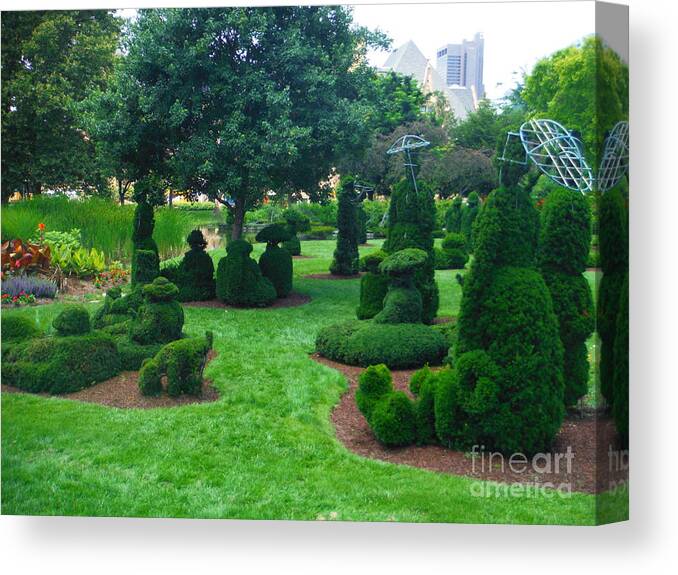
{"x":406,"y":144}
{"x":363,"y":190}
{"x":559,"y":154}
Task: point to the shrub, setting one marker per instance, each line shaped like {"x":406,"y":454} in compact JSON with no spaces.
{"x":370,"y":262}
{"x":424,"y":408}
{"x":453,"y":254}
{"x":194,"y":276}
{"x":468,"y":216}
{"x":145,"y":260}
{"x":373,"y":289}
{"x":297,"y":222}
{"x":131,"y":353}
{"x":453,"y":216}
{"x":276,"y":262}
{"x":18,"y":328}
{"x":150,"y":378}
{"x":239,"y":278}
{"x":161,"y":318}
{"x":362,"y":225}
{"x":345,"y":261}
{"x":620,"y":408}
{"x":73,"y":320}
{"x":30,"y":285}
{"x":61,"y":364}
{"x":373,"y":384}
{"x":418,"y":377}
{"x":145,"y":266}
{"x":293,"y":246}
{"x":394,"y":421}
{"x":399,"y":346}
{"x":403,"y":301}
{"x":448,"y":415}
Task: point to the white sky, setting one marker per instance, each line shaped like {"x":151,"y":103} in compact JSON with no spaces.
{"x":517,"y":34}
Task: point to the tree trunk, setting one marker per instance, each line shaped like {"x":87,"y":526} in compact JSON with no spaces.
{"x":121,"y":193}
{"x":238,"y":218}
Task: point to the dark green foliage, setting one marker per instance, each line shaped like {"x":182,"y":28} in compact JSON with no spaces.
{"x":468,"y":216}
{"x":61,"y":364}
{"x":131,"y":353}
{"x":620,"y":408}
{"x":293,"y":246}
{"x":274,"y":234}
{"x":411,"y":225}
{"x":424,"y":408}
{"x":453,"y":253}
{"x":145,"y":260}
{"x":371,"y":261}
{"x":194,"y":276}
{"x":276,"y":265}
{"x":403,"y":264}
{"x":449,"y":417}
{"x":613,"y":246}
{"x":418,"y":377}
{"x":373,"y":289}
{"x":142,"y":227}
{"x":398,"y":346}
{"x":105,"y":315}
{"x":401,"y":305}
{"x":374,"y":383}
{"x":145,"y":266}
{"x":297,"y":222}
{"x":394,"y":421}
{"x":345,"y":261}
{"x":563,"y":250}
{"x":161,"y":318}
{"x":182,"y":361}
{"x":18,"y":328}
{"x":362,"y":225}
{"x":73,"y":320}
{"x":453,"y":216}
{"x":239,"y":278}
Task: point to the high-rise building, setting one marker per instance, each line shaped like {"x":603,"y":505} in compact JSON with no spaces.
{"x":462,"y":64}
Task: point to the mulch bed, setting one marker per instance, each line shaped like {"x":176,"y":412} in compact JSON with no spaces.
{"x":294,"y":299}
{"x":328,"y":276}
{"x":123,"y":391}
{"x":303,"y":257}
{"x":590,"y":470}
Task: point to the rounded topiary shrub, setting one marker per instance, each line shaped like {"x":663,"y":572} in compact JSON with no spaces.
{"x":18,"y":328}
{"x":345,"y":260}
{"x":276,"y":262}
{"x":239,"y":278}
{"x":110,"y":313}
{"x":418,"y":377}
{"x":403,"y":301}
{"x":373,"y":285}
{"x":150,"y":378}
{"x":373,"y":384}
{"x":161,"y":318}
{"x":195,"y":274}
{"x":73,"y":320}
{"x":394,"y":421}
{"x":452,"y":253}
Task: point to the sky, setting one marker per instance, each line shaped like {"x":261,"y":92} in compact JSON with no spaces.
{"x":516,"y":34}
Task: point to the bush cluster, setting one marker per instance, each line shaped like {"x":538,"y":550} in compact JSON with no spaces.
{"x":276,"y":262}
{"x":620,"y":383}
{"x":345,"y":260}
{"x":239,"y":278}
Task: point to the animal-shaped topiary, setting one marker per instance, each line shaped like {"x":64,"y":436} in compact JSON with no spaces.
{"x":297,"y":223}
{"x":160,"y":319}
{"x":276,"y":262}
{"x":111,"y":312}
{"x":195,"y":274}
{"x":373,"y":285}
{"x":239,"y":278}
{"x":403,"y":301}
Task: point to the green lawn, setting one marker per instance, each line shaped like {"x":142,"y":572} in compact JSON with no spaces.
{"x":265,"y":450}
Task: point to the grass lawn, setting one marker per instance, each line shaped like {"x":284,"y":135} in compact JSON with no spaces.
{"x":265,"y":450}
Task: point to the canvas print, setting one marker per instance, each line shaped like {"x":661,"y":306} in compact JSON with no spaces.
{"x":351,"y":263}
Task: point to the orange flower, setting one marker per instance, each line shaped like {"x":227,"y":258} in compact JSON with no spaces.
{"x":41,"y":227}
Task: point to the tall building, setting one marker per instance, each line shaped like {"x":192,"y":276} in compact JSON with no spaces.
{"x":462,"y":64}
{"x":408,"y":60}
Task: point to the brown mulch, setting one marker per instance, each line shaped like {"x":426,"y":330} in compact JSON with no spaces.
{"x":328,"y":276}
{"x":444,"y":319}
{"x":595,"y":270}
{"x":123,"y":391}
{"x":589,"y":472}
{"x":294,"y":299}
{"x":303,"y":257}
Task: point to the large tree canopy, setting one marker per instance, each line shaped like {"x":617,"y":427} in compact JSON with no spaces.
{"x":247,"y":100}
{"x":51,"y":60}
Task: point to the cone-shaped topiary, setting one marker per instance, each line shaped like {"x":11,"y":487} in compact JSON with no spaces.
{"x":276,"y":262}
{"x":620,"y":408}
{"x":452,"y":253}
{"x":160,"y":318}
{"x":613,"y":246}
{"x":373,"y":285}
{"x":403,"y":301}
{"x":239,"y":278}
{"x":297,"y":223}
{"x":468,"y":216}
{"x":345,"y":261}
{"x":506,"y":391}
{"x":410,"y":225}
{"x":453,"y":216}
{"x":73,"y":320}
{"x":563,"y":251}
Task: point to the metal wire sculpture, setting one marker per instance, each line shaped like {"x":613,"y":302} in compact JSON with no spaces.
{"x":363,"y":190}
{"x":406,"y":144}
{"x":559,"y":154}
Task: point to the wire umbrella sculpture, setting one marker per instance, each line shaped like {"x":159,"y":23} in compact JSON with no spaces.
{"x":559,"y":154}
{"x":406,"y":144}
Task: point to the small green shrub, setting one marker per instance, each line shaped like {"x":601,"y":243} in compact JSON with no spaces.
{"x":453,"y":216}
{"x":73,"y":320}
{"x":468,"y":217}
{"x":161,"y":318}
{"x":401,"y":305}
{"x":239,"y":278}
{"x":276,"y":262}
{"x":394,"y":421}
{"x":373,"y":384}
{"x":418,"y":377}
{"x":449,"y":417}
{"x":150,"y":378}
{"x":194,"y":276}
{"x":424,"y":408}
{"x":18,"y":328}
{"x":131,"y":353}
{"x":297,"y":222}
{"x":293,"y":246}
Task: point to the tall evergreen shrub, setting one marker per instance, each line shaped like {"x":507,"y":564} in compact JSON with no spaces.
{"x":345,"y":261}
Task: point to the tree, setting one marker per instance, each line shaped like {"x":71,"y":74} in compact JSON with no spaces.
{"x":480,"y":130}
{"x":398,"y":100}
{"x":453,"y":170}
{"x":248,"y":100}
{"x":51,"y":61}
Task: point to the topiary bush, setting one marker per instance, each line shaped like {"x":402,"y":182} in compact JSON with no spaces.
{"x":239,"y":278}
{"x":563,"y":250}
{"x":345,"y":260}
{"x":73,"y":320}
{"x":393,"y":420}
{"x":453,"y":253}
{"x":468,"y":217}
{"x":399,"y":346}
{"x":110,"y":313}
{"x":182,"y":361}
{"x":403,"y":301}
{"x":411,"y":225}
{"x":161,"y":318}
{"x":424,"y":407}
{"x":145,"y":267}
{"x":362,"y":225}
{"x":620,"y":408}
{"x":61,"y":364}
{"x":195,"y":275}
{"x":297,"y":223}
{"x":276,"y":262}
{"x":18,"y":328}
{"x":373,"y":289}
{"x":453,"y":216}
{"x":374,"y":383}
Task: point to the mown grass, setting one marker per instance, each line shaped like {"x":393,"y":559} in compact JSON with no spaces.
{"x":103,"y":224}
{"x":265,"y":450}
